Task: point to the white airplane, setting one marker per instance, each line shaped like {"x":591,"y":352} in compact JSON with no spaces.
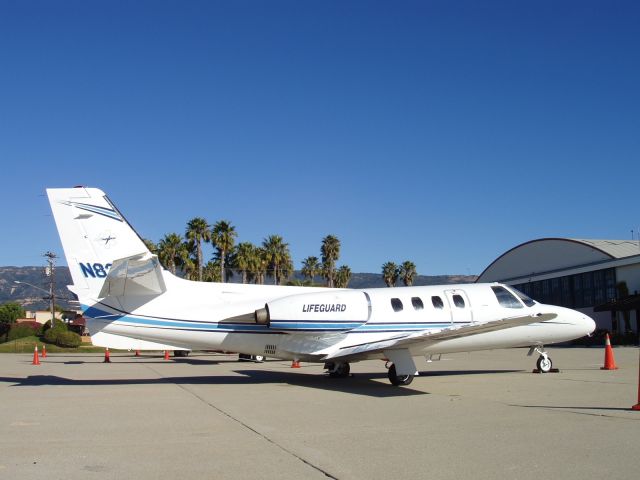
{"x":131,"y":302}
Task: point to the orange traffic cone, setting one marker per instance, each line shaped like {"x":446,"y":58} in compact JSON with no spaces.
{"x":609,"y":361}
{"x":166,"y":354}
{"x":295,"y":364}
{"x":137,"y":353}
{"x":107,"y":357}
{"x":36,"y":359}
{"x":44,"y":351}
{"x":637,"y":405}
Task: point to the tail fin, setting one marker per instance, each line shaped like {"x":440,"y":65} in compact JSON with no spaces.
{"x":93,"y":234}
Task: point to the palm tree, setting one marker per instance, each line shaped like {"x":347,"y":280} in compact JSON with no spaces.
{"x":244,"y":253}
{"x":171,"y":251}
{"x":198,"y":232}
{"x":408,"y":272}
{"x":390,"y":274}
{"x":286,"y":268}
{"x":310,"y":268}
{"x":259,"y":264}
{"x":343,"y":275}
{"x":211,"y":271}
{"x":223,"y":237}
{"x":152,"y":247}
{"x":275,"y":253}
{"x":330,"y":250}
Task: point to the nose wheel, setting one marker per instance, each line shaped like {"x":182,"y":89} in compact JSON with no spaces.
{"x":544,"y":364}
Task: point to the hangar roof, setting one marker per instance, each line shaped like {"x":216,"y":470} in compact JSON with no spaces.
{"x":547,"y":255}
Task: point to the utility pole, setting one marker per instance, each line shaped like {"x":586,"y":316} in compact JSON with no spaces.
{"x":50,"y":272}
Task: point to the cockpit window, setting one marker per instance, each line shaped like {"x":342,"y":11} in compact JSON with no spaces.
{"x":527,"y":301}
{"x":506,"y":298}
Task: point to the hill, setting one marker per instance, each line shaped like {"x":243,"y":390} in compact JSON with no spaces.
{"x":32,"y":298}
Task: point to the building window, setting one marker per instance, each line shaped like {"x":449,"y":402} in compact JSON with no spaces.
{"x":574,"y":291}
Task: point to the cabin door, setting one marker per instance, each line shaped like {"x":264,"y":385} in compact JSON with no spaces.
{"x":459,"y":306}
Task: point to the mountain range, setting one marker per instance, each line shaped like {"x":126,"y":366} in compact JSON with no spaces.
{"x":33,"y":298}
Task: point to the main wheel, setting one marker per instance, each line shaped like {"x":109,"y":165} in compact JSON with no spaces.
{"x":396,"y":379}
{"x":544,"y":364}
{"x":258,"y":358}
{"x":340,"y":370}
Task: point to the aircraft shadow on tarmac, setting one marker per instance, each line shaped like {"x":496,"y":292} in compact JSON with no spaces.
{"x":367,"y":384}
{"x":190,"y":361}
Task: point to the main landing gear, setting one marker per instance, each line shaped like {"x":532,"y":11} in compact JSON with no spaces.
{"x":244,"y":357}
{"x":341,"y":370}
{"x":395,"y":379}
{"x":338,"y":369}
{"x":544,"y":363}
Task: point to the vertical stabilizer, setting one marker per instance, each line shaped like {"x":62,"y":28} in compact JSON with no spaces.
{"x":93,"y":234}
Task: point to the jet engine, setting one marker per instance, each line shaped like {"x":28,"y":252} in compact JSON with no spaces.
{"x":336,"y":311}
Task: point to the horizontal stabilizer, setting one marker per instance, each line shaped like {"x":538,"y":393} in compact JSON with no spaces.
{"x":137,"y":275}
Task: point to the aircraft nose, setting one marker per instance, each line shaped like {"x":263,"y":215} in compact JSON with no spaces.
{"x":588,"y":323}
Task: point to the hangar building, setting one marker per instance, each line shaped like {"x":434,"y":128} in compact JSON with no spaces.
{"x":598,"y":277}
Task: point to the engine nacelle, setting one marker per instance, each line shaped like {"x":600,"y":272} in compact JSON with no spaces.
{"x":330,"y":311}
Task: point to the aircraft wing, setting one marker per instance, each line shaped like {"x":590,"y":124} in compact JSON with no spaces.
{"x":406,"y":340}
{"x":136,"y":275}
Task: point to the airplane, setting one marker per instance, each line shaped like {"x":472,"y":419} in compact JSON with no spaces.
{"x":131,"y":302}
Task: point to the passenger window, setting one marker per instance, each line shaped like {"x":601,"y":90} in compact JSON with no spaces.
{"x":396,"y":304}
{"x":437,"y":302}
{"x":417,"y":303}
{"x":458,"y":301}
{"x":506,"y":298}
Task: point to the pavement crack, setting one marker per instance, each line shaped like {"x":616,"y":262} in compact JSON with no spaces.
{"x":251,"y":429}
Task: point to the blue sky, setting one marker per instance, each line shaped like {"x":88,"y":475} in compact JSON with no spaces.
{"x":442,"y":132}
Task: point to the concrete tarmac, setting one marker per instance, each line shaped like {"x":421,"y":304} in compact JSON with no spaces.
{"x":477,"y":415}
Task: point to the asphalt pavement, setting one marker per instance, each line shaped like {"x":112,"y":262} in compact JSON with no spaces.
{"x":473,"y":415}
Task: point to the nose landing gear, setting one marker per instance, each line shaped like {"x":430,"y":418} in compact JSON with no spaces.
{"x":544,"y":363}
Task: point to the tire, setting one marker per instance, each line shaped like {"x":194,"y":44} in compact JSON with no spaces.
{"x":341,"y":370}
{"x":398,"y":380}
{"x":181,"y":353}
{"x":258,"y":358}
{"x":544,"y":364}
{"x":243,"y":357}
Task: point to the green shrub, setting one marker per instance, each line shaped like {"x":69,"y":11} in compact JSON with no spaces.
{"x":61,"y":336}
{"x":68,"y":339}
{"x":21,"y":330}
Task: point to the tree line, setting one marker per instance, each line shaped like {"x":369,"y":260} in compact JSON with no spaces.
{"x":254,"y":263}
{"x":183,"y":255}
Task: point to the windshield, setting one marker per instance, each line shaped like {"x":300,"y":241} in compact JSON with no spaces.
{"x":525,"y":299}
